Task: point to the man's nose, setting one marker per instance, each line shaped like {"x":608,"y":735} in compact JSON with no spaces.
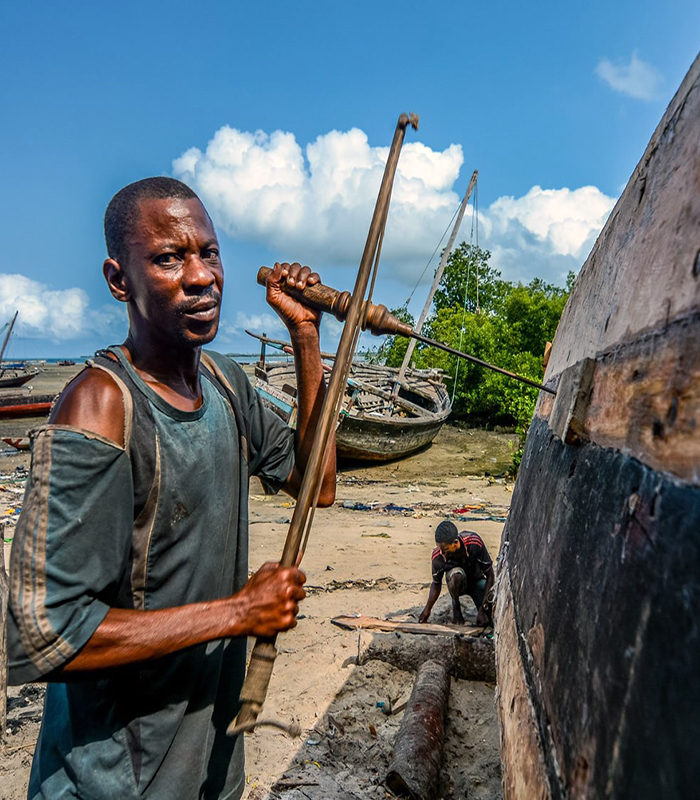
{"x":198,"y":273}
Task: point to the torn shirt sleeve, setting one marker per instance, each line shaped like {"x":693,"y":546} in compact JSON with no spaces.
{"x":71,"y":550}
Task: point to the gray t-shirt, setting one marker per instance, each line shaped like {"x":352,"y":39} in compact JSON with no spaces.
{"x":97,"y":531}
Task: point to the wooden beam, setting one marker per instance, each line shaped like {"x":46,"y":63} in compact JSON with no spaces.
{"x":429,"y":628}
{"x":415,"y":767}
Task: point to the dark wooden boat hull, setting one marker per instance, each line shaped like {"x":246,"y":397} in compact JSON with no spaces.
{"x":369,"y":436}
{"x":12,"y":381}
{"x":598,"y":589}
{"x":370,"y":440}
{"x":25,"y":405}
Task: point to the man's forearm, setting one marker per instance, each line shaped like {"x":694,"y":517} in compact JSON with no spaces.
{"x":126,"y":636}
{"x":311,"y":391}
{"x":266,"y":605}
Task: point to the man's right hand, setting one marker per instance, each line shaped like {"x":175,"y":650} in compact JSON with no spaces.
{"x":272,"y":596}
{"x":424,"y":615}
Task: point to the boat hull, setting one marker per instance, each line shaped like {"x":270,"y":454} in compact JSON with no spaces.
{"x":25,"y":405}
{"x":598,"y":585}
{"x":365,"y":439}
{"x":366,"y":434}
{"x":12,"y":381}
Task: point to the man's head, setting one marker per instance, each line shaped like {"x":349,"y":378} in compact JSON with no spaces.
{"x":164,"y":262}
{"x":123,"y":211}
{"x":447,"y":537}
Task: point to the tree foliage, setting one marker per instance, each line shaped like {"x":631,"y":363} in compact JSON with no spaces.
{"x":478,"y":312}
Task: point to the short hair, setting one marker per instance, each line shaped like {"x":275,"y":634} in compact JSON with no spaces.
{"x":123,"y":209}
{"x":446,"y":532}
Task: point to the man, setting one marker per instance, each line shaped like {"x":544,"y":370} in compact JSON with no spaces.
{"x":129,"y":577}
{"x":464,"y":561}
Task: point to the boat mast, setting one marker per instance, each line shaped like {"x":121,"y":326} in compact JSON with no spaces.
{"x":7,"y":335}
{"x":438,"y":275}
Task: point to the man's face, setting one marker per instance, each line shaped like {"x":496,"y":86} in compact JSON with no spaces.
{"x":174,"y":273}
{"x":449,"y":547}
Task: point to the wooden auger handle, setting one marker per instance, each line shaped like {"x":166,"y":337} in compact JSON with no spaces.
{"x":378,"y":320}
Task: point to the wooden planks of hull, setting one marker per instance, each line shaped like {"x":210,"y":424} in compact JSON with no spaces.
{"x":598,"y":580}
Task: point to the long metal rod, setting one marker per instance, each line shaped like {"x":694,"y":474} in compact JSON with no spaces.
{"x":380,"y":321}
{"x":475,"y":360}
{"x":415,"y":336}
{"x":264,"y":653}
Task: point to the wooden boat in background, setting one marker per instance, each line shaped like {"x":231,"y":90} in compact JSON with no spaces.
{"x":382,"y":418}
{"x":13,"y":375}
{"x":598,"y":591}
{"x":15,"y":405}
{"x":388,"y":413}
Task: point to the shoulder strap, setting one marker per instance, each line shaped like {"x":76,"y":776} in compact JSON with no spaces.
{"x":219,"y":379}
{"x":139,"y":428}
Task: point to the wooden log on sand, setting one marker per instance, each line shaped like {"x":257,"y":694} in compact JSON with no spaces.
{"x":465,"y":657}
{"x":414,"y":769}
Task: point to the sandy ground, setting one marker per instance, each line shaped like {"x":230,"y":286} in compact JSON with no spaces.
{"x":368,"y":554}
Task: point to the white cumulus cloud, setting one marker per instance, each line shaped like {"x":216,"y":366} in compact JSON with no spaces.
{"x":314,"y":204}
{"x":55,"y":314}
{"x":546,"y":232}
{"x":636,"y":78}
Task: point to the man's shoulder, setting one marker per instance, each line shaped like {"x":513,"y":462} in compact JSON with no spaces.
{"x":471,"y":538}
{"x":92,"y":401}
{"x":436,"y":552}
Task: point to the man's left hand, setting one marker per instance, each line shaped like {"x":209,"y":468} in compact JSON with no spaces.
{"x":293,"y":313}
{"x":482,"y":618}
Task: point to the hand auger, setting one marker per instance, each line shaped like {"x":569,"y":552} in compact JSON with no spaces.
{"x":264,"y":652}
{"x":379,"y":321}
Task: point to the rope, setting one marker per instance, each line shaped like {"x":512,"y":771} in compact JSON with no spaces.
{"x":449,"y":225}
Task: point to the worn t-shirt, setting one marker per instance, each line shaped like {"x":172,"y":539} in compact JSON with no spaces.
{"x":472,"y":556}
{"x":157,"y":729}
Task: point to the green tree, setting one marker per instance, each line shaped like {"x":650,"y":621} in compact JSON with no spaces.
{"x":511,"y":329}
{"x":467,"y":270}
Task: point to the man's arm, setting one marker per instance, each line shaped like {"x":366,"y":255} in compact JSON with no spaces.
{"x":303,"y":324}
{"x":433,"y":595}
{"x":266,"y":605}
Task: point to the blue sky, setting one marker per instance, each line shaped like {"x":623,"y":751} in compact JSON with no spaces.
{"x":279,"y":115}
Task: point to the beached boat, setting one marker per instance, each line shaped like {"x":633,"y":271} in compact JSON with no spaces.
{"x":381,"y":419}
{"x":388,"y":413}
{"x":14,"y":374}
{"x":599,"y":582}
{"x":17,"y":405}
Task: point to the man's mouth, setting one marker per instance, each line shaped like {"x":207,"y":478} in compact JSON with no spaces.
{"x":203,"y":311}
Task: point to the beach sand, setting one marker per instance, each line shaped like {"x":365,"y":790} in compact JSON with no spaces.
{"x":362,"y":558}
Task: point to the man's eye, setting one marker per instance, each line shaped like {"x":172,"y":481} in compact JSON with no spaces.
{"x":211,"y":254}
{"x":166,"y":260}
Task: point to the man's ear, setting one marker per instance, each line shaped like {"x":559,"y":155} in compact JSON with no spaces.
{"x":116,"y":280}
